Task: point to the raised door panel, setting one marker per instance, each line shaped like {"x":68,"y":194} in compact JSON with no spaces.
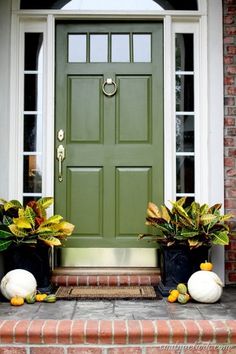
{"x":133,"y":114}
{"x":85,"y":109}
{"x":85,"y":200}
{"x":133,"y":191}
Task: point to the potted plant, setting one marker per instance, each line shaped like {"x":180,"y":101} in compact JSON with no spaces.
{"x":185,"y":234}
{"x":27,"y":234}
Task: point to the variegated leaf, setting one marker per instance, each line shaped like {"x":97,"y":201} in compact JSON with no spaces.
{"x":43,"y":229}
{"x":153,"y":211}
{"x":55,"y":219}
{"x":30,"y":215}
{"x":50,"y":240}
{"x":4,"y":244}
{"x":21,"y":212}
{"x":194,"y":243}
{"x":165,"y":214}
{"x":22,"y":223}
{"x":180,"y":202}
{"x":225,"y":217}
{"x":12,"y":204}
{"x":206,"y":219}
{"x":215,"y":207}
{"x":220,"y":238}
{"x":7,"y":220}
{"x":16,"y":231}
{"x":45,"y":202}
{"x":5,"y":234}
{"x":185,"y":221}
{"x":204,"y":209}
{"x":187,"y":233}
{"x":65,"y":227}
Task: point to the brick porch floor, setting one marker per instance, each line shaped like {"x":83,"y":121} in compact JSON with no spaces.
{"x":119,"y":327}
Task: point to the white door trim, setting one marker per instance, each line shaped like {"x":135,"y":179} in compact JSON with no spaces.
{"x":209,"y":96}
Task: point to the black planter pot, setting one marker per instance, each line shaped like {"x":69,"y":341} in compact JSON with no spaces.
{"x":178,"y":263}
{"x":35,"y":259}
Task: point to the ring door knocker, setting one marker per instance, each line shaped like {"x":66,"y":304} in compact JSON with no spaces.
{"x":109,"y":81}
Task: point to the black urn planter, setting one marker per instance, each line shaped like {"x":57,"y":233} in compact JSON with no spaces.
{"x":35,"y":259}
{"x":178,"y":263}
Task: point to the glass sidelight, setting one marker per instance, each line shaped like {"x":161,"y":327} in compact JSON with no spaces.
{"x":32,"y":139}
{"x":185,"y":115}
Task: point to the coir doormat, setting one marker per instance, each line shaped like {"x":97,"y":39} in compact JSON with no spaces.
{"x":106,"y":292}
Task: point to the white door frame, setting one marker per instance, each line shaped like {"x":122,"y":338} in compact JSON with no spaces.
{"x":209,"y":94}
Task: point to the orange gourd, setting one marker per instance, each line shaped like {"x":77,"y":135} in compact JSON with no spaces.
{"x":40,"y":297}
{"x":206,"y":266}
{"x":17,"y":301}
{"x":171,"y":298}
{"x":174,"y":293}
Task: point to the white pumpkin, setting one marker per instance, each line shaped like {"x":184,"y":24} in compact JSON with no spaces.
{"x":205,"y":286}
{"x":18,"y":282}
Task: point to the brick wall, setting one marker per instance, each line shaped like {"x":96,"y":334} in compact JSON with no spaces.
{"x":230,"y":127}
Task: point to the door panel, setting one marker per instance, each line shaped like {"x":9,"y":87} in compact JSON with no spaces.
{"x":134,"y":100}
{"x":129,"y":203}
{"x":86,"y":184}
{"x":113,"y":145}
{"x":85,"y":119}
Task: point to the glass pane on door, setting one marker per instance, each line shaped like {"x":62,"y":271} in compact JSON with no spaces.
{"x":98,"y":48}
{"x":77,"y":48}
{"x":142,"y":48}
{"x":120,"y":48}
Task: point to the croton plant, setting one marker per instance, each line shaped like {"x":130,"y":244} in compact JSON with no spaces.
{"x":29,"y":224}
{"x":193,"y":225}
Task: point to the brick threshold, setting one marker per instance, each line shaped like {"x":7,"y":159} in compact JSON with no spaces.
{"x":105,"y":276}
{"x":117,"y":336}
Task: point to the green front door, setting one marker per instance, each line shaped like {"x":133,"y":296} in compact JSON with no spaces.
{"x":113,"y":141}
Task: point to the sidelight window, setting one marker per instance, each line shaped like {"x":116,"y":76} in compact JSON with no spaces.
{"x":32,"y":120}
{"x":185,"y":115}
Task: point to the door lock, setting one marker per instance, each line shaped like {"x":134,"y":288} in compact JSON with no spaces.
{"x":60,"y":135}
{"x":60,"y":157}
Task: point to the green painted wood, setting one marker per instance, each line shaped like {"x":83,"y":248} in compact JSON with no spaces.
{"x":114,"y":145}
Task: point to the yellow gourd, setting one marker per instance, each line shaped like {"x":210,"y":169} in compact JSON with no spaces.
{"x":206,"y":266}
{"x":40,"y":297}
{"x":17,"y":301}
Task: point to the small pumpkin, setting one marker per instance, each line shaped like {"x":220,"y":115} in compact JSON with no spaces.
{"x":206,"y":266}
{"x":171,"y":298}
{"x":40,"y":297}
{"x":17,"y":301}
{"x":174,"y":293}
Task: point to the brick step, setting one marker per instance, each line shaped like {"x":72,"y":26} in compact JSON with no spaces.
{"x":109,"y":277}
{"x":117,"y":336}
